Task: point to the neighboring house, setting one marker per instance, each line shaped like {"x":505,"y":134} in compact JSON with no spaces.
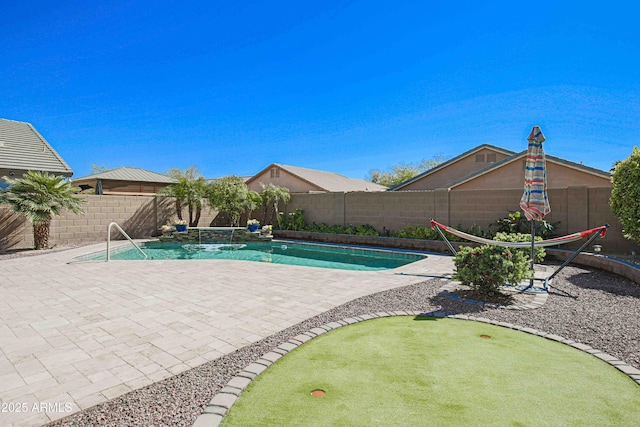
{"x":23,"y":149}
{"x":303,"y":180}
{"x":487,"y":167}
{"x":124,"y":181}
{"x":442,"y":175}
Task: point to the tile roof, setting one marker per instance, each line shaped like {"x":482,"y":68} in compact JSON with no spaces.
{"x":23,"y":148}
{"x":329,"y":181}
{"x":128,"y":174}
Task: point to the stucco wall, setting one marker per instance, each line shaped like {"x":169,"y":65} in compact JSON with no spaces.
{"x":511,"y":176}
{"x":285,"y":179}
{"x":454,"y":171}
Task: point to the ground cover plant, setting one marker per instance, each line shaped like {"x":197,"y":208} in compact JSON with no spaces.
{"x":437,"y":372}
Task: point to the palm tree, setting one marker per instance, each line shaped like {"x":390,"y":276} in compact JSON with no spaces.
{"x":271,"y":195}
{"x":190,"y":189}
{"x":39,"y":197}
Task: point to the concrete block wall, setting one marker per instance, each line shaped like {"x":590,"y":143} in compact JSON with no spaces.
{"x":15,"y":231}
{"x":481,"y":207}
{"x":387,"y":210}
{"x":574,"y":208}
{"x":319,"y":207}
{"x":139,"y":216}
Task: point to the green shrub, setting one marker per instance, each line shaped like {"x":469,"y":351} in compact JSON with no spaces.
{"x":417,"y":232}
{"x":625,"y":194}
{"x":515,"y":222}
{"x":538,"y":253}
{"x":295,"y":221}
{"x":291,"y":221}
{"x":487,"y":268}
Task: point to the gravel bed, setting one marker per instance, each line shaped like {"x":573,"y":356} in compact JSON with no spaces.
{"x":589,"y":306}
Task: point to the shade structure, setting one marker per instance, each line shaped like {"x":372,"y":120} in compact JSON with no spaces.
{"x":534,"y":202}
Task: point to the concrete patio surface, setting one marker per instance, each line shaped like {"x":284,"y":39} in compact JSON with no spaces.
{"x":74,"y":334}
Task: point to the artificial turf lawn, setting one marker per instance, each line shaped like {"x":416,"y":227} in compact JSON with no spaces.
{"x":438,"y":372}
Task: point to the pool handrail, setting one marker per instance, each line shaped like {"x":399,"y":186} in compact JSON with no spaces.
{"x":125,"y":235}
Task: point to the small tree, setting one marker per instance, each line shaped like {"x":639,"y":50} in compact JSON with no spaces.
{"x":231,"y":195}
{"x":625,"y":194}
{"x":39,"y":197}
{"x":272,"y":195}
{"x":402,"y":172}
{"x":190,"y":189}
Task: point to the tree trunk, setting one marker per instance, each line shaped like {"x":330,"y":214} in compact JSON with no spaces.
{"x":273,"y":212}
{"x":179,"y":208}
{"x":190,"y":209}
{"x":41,"y":235}
{"x":196,"y":220}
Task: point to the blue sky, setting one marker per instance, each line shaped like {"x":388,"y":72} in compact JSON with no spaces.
{"x":344,"y":86}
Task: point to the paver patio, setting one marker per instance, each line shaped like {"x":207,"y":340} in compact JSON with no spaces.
{"x":75,"y":334}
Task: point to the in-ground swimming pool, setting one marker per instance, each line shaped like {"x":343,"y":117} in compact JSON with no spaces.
{"x":278,"y":252}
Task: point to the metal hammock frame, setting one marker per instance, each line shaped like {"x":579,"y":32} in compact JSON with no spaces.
{"x":593,"y":232}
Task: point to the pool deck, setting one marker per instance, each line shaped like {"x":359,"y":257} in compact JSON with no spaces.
{"x":74,"y":334}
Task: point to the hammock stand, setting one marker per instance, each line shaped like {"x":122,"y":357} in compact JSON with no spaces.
{"x":593,"y":233}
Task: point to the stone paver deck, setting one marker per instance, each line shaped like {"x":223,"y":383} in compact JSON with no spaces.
{"x":75,"y":334}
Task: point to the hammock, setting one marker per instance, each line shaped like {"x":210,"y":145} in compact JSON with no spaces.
{"x":594,"y":233}
{"x":550,"y":242}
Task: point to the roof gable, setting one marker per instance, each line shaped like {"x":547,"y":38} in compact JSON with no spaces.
{"x":323,"y":180}
{"x":451,"y":162}
{"x":23,"y":148}
{"x":494,"y":168}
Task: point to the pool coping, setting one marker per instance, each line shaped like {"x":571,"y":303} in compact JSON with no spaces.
{"x":214,"y":413}
{"x":122,"y":246}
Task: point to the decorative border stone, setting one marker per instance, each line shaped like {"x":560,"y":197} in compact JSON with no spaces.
{"x":219,"y":406}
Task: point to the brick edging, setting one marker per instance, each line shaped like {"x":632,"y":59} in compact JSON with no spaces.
{"x":218,"y":407}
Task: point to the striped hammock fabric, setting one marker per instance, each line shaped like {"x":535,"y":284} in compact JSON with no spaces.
{"x":550,"y":242}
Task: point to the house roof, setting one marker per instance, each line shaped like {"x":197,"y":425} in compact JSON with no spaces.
{"x":129,"y":174}
{"x":325,"y":181}
{"x":451,"y":161}
{"x":23,"y":148}
{"x":517,"y":156}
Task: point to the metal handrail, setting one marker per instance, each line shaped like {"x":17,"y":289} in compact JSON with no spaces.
{"x":125,"y":235}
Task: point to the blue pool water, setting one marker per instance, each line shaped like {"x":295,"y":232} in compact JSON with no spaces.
{"x":310,"y":255}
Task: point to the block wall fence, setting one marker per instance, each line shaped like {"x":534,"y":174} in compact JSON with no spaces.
{"x":576,"y":208}
{"x":139,"y":216}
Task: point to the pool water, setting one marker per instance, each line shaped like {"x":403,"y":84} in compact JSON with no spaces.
{"x":284,"y":252}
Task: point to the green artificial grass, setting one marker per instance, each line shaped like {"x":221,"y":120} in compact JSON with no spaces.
{"x":439,"y":372}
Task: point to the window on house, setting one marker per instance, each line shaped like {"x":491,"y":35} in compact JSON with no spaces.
{"x":491,"y":158}
{"x":275,"y":173}
{"x":479,"y":158}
